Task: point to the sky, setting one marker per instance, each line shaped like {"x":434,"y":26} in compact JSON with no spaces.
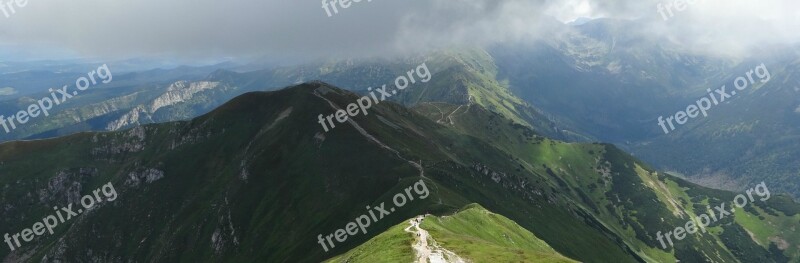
{"x":206,"y":29}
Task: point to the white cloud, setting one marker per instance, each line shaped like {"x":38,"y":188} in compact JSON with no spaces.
{"x":7,"y":91}
{"x":210,"y":28}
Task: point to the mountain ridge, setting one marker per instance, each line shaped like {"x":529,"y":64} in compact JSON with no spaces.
{"x":256,"y":150}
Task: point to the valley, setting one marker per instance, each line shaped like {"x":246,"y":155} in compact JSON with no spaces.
{"x":553,"y":189}
{"x":442,"y":131}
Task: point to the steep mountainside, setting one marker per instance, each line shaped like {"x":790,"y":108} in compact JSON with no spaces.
{"x":258,"y":179}
{"x":607,"y":81}
{"x":98,"y":108}
{"x":599,"y":80}
{"x":758,"y":128}
{"x":463,"y":77}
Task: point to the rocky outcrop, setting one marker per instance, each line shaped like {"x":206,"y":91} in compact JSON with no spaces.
{"x":135,"y":179}
{"x":112,"y":145}
{"x":66,"y":186}
{"x":530,"y":191}
{"x":178,"y":92}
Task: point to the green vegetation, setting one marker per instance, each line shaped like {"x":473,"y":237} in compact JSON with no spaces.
{"x":393,"y":245}
{"x":473,"y":233}
{"x":258,"y":179}
{"x":481,"y":236}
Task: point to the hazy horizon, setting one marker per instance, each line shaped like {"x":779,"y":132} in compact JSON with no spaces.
{"x":194,"y":31}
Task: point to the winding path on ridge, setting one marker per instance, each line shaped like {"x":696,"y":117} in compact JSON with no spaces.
{"x":429,"y":252}
{"x":372,"y":138}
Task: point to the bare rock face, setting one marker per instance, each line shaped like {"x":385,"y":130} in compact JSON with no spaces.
{"x":178,"y":92}
{"x":135,"y":179}
{"x":66,"y":186}
{"x":224,"y":236}
{"x":113,"y":145}
{"x":130,"y":118}
{"x":511,"y":182}
{"x":82,"y":114}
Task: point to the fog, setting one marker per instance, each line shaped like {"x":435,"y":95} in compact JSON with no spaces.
{"x":204,"y":29}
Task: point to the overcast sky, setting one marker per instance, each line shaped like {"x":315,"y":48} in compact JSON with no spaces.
{"x":244,"y":28}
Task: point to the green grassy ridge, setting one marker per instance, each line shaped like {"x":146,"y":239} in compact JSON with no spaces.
{"x":549,"y":221}
{"x":476,"y":234}
{"x":195,"y":182}
{"x":641,"y":210}
{"x":460,"y":76}
{"x":473,"y":233}
{"x":551,"y":154}
{"x":393,"y":245}
{"x":204,"y":194}
{"x":520,"y":142}
{"x":175,"y":218}
{"x":630,"y":207}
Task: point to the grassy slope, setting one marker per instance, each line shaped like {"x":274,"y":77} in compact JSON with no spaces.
{"x":254,"y":177}
{"x":629,"y":198}
{"x":206,"y":208}
{"x":473,"y":233}
{"x":393,"y":245}
{"x":469,"y":76}
{"x":581,"y":79}
{"x":741,"y":124}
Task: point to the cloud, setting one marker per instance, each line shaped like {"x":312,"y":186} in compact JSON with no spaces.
{"x":204,"y":27}
{"x":446,"y":23}
{"x":713,"y":27}
{"x":7,"y":91}
{"x":246,"y":28}
{"x":734,"y":27}
{"x":255,"y":27}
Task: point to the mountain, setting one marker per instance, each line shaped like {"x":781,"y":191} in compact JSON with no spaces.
{"x":592,"y":80}
{"x":27,"y":82}
{"x":97,"y":107}
{"x":258,"y":179}
{"x":601,"y":80}
{"x":607,"y":81}
{"x":463,"y":77}
{"x":758,"y":128}
{"x":472,"y":234}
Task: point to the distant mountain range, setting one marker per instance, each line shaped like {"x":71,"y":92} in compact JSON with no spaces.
{"x":223,"y":165}
{"x":607,"y":82}
{"x":258,"y":179}
{"x":598,"y":81}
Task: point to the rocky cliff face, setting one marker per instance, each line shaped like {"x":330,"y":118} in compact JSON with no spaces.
{"x":178,"y":92}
